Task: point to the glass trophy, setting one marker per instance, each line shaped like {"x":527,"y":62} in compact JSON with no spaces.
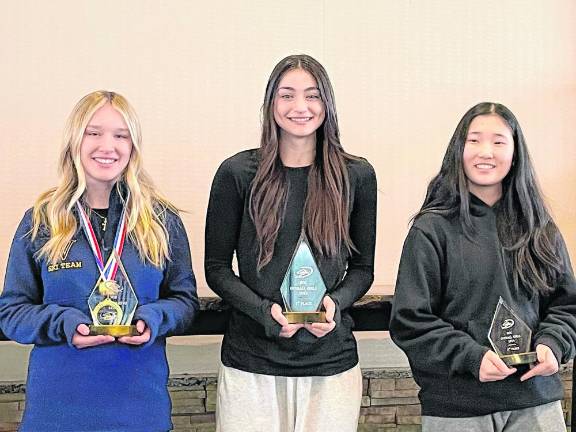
{"x":303,"y":288}
{"x":113,"y":304}
{"x":510,"y":336}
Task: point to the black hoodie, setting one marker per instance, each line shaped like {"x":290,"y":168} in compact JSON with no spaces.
{"x":447,"y":290}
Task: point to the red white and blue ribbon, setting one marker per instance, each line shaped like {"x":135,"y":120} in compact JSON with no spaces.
{"x":109,"y":270}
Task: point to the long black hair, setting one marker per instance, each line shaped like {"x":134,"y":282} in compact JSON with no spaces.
{"x":525,"y":227}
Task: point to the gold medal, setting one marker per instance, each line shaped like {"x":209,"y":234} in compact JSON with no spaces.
{"x":107,"y":312}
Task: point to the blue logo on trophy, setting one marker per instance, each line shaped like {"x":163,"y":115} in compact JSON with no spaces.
{"x":303,"y":288}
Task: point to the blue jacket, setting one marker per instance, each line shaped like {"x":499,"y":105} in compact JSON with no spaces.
{"x":111,"y":387}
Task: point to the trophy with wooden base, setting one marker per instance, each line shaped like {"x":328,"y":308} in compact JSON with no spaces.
{"x":112,"y":304}
{"x":303,"y":288}
{"x":510,"y":336}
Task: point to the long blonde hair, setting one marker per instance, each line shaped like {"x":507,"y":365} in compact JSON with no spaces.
{"x":146,"y":207}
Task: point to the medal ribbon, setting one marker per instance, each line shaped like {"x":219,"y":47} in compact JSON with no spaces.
{"x":109,"y":270}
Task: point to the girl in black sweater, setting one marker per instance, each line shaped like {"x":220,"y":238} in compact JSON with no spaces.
{"x":484,"y":234}
{"x":280,"y":376}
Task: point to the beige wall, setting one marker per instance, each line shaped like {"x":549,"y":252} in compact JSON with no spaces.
{"x":404,"y":72}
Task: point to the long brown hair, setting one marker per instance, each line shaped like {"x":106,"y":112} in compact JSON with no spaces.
{"x":325,"y":219}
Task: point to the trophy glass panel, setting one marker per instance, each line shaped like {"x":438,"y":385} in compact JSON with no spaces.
{"x":303,"y":287}
{"x":112,"y":305}
{"x":510,"y":336}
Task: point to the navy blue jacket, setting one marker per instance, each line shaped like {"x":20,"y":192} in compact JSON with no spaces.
{"x":111,"y":387}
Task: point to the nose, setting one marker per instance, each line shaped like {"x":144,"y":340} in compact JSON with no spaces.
{"x":301,"y":104}
{"x":486,"y":150}
{"x":107,"y":143}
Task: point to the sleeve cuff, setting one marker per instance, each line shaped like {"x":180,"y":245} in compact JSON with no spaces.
{"x":271,"y":327}
{"x":337,"y":310}
{"x":72,"y":320}
{"x":551,"y":343}
{"x":475,"y":360}
{"x":150,"y":317}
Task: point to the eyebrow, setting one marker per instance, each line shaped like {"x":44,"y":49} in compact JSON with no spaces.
{"x":497,"y":134}
{"x":293,"y":89}
{"x":100,"y":127}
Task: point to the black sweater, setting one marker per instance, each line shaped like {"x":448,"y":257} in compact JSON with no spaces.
{"x":251,"y":342}
{"x":446,"y":292}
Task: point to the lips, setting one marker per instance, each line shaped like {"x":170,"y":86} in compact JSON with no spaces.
{"x":300,"y":119}
{"x":104,"y":161}
{"x":485,"y":166}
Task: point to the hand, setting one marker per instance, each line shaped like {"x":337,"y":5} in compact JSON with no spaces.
{"x":140,"y":339}
{"x":81,"y":338}
{"x":322,"y":329}
{"x":547,"y":363}
{"x":288,"y":330}
{"x":493,"y":368}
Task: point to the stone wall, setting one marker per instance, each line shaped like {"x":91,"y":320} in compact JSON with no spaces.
{"x":11,"y":406}
{"x":389,"y":402}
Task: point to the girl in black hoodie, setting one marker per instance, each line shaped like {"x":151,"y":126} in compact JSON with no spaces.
{"x":482,"y":236}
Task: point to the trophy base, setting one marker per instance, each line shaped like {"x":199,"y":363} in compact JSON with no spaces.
{"x":113,"y":330}
{"x":518,"y":359}
{"x":305,"y":317}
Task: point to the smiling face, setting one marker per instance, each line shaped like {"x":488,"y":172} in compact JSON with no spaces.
{"x":105,"y":148}
{"x":487,"y":157}
{"x":298,"y":107}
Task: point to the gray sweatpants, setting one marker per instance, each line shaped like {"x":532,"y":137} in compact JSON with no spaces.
{"x":249,"y":402}
{"x":542,"y":418}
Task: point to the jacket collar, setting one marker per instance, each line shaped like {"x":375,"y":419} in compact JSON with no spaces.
{"x":480,"y":208}
{"x":116,"y":202}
